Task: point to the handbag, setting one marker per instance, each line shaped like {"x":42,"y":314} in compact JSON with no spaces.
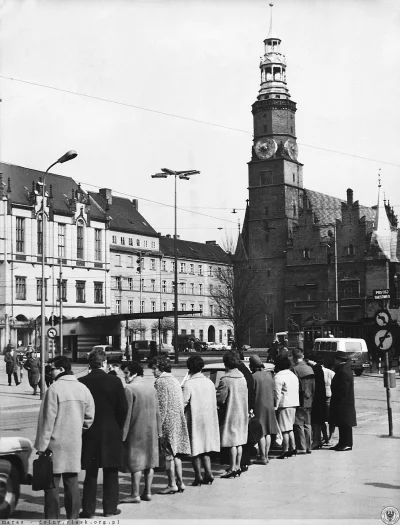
{"x":164,"y":449}
{"x":255,"y":431}
{"x":42,"y":477}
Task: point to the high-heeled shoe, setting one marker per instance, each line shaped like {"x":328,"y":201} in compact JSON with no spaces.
{"x":181,"y":488}
{"x":239,"y":471}
{"x":244,"y":468}
{"x":283,"y":455}
{"x":207,"y":481}
{"x":292,"y":452}
{"x":230,"y":474}
{"x":197,"y":482}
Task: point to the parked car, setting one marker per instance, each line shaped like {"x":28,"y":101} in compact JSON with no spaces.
{"x":112,"y":353}
{"x":212,"y":345}
{"x":215,"y":371}
{"x":14,"y":458}
{"x":355,"y":348}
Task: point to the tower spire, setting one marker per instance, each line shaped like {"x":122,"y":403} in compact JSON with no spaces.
{"x":273,"y":67}
{"x":271,"y":33}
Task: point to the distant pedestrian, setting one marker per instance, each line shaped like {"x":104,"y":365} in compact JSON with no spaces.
{"x":66,"y":410}
{"x":32,"y":365}
{"x":202,"y":419}
{"x":141,"y":432}
{"x":173,"y":423}
{"x":286,"y":400}
{"x":251,"y":396}
{"x":102,"y":444}
{"x":342,"y":408}
{"x":12,"y":365}
{"x":273,"y":352}
{"x":302,"y":424}
{"x":232,"y":399}
{"x":263,"y":406}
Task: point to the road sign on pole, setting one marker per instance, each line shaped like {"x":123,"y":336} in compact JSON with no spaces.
{"x":52,"y":333}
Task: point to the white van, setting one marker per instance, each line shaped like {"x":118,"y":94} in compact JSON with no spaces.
{"x":326,"y":347}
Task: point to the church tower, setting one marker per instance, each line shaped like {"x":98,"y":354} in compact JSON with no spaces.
{"x":275,"y":187}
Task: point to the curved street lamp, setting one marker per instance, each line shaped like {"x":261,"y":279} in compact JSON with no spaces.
{"x":65,"y":158}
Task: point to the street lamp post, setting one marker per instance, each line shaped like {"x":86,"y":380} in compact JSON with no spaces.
{"x":185,"y":175}
{"x":65,"y":158}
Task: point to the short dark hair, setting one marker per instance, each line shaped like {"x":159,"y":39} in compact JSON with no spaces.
{"x":162,"y":362}
{"x":61,"y":361}
{"x":195,"y":364}
{"x":231,"y":360}
{"x":134,"y":368}
{"x":97,"y":357}
{"x":282,"y":363}
{"x":298,"y":353}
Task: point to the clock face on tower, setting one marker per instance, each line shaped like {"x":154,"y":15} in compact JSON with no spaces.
{"x":265,"y":148}
{"x":292,"y":149}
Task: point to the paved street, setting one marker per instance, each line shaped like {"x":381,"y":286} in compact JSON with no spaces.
{"x":327,"y":484}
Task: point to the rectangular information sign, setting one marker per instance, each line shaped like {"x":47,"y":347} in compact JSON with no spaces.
{"x":381,"y":294}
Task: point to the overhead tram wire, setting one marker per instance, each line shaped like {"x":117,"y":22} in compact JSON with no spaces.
{"x":173,"y":115}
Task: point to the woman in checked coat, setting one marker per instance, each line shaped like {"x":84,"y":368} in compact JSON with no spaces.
{"x":202,"y":419}
{"x":173,"y":423}
{"x":232,"y":398}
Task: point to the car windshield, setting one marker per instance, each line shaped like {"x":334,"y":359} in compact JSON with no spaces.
{"x":353,"y":346}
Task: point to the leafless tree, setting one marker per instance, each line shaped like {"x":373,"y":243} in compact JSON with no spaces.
{"x":236,"y":294}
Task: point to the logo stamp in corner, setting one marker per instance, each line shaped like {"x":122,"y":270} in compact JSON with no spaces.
{"x":390,"y":515}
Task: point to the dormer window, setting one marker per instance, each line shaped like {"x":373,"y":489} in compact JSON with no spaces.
{"x":306,"y":253}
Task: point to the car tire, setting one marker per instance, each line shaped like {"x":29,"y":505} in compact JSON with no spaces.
{"x":9,"y":488}
{"x":358,"y":371}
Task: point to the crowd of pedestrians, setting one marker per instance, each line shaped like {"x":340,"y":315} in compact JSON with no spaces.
{"x":95,"y":422}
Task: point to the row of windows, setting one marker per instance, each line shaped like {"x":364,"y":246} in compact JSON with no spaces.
{"x":80,"y":289}
{"x":144,"y":307}
{"x":183,"y":288}
{"x":61,"y":238}
{"x":130,"y":242}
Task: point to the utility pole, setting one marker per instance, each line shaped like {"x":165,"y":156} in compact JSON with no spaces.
{"x":61,"y":308}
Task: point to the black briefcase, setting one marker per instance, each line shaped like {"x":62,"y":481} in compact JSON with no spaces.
{"x":42,"y":477}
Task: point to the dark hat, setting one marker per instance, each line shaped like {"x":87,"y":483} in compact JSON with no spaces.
{"x":256,"y":361}
{"x":341,"y":356}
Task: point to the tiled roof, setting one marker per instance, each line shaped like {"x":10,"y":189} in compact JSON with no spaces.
{"x":194,"y":250}
{"x":327,"y":208}
{"x":21,"y":184}
{"x":124,"y":216}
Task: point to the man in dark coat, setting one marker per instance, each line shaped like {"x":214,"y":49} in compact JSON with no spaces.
{"x":302,"y":423}
{"x":102,"y":444}
{"x":342,"y":409}
{"x":12,"y":365}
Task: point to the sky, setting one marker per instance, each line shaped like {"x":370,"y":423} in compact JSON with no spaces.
{"x":135,"y":86}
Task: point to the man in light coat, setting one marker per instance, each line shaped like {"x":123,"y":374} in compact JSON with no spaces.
{"x":66,"y":410}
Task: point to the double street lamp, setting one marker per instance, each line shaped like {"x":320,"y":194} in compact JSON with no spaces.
{"x":65,"y":158}
{"x":185,"y":175}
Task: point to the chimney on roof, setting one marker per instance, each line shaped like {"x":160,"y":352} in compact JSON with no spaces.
{"x":177,"y":236}
{"x":168,"y":236}
{"x":349,"y":197}
{"x":135,"y":203}
{"x":106,"y":194}
{"x":211,"y":242}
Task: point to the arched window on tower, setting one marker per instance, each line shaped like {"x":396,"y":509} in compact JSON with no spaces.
{"x":350,"y":249}
{"x":269,"y":73}
{"x":306,"y":253}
